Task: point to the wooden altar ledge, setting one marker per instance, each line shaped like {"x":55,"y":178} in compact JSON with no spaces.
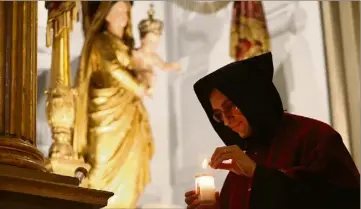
{"x":22,"y":188}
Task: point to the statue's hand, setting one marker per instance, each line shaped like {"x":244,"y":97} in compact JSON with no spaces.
{"x":145,"y":92}
{"x":142,"y":92}
{"x":149,"y":92}
{"x":178,"y":67}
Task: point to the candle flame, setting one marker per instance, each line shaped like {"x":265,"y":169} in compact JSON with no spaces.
{"x":205,"y":163}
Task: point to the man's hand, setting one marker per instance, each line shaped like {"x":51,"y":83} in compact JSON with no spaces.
{"x":191,"y":199}
{"x":241,"y":164}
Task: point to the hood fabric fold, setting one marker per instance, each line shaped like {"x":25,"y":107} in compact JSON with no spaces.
{"x":248,"y":84}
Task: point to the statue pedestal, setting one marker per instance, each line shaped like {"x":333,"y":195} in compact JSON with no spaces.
{"x":31,"y":189}
{"x":67,"y":167}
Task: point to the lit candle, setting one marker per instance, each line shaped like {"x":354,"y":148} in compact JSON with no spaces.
{"x":205,"y":186}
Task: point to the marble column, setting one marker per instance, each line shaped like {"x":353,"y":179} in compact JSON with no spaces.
{"x":18,"y":85}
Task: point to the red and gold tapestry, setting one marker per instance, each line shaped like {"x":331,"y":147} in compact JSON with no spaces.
{"x":249,"y":33}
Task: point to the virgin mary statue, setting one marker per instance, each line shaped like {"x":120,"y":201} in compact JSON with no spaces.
{"x":112,"y":131}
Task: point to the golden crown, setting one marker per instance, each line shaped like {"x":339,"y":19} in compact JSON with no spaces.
{"x":150,"y":25}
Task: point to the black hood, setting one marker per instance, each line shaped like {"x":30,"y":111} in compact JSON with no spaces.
{"x":248,"y":84}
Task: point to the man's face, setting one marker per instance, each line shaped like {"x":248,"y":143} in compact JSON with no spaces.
{"x":224,"y":111}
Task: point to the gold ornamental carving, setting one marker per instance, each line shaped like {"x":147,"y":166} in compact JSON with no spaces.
{"x":59,"y":105}
{"x":60,"y":96}
{"x":60,"y":114}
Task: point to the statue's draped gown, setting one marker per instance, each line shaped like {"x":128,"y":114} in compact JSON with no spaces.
{"x":112,"y":130}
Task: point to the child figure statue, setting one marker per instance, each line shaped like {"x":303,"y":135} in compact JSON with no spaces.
{"x":145,"y":58}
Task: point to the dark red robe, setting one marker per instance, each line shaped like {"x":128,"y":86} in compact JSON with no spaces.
{"x":302,"y":163}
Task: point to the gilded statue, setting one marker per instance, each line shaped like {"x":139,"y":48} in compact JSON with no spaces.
{"x":145,"y":58}
{"x":112,"y":130}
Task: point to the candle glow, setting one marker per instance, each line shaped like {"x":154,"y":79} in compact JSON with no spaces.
{"x":205,"y":163}
{"x":205,"y":186}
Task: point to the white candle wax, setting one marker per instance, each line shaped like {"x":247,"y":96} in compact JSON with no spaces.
{"x":205,"y":188}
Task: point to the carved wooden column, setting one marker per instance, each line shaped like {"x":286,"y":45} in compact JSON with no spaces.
{"x":24,"y":185}
{"x":18,"y":85}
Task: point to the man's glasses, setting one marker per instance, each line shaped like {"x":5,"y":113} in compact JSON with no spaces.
{"x":219,"y":115}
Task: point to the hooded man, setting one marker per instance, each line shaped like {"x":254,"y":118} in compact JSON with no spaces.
{"x":278,"y":160}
